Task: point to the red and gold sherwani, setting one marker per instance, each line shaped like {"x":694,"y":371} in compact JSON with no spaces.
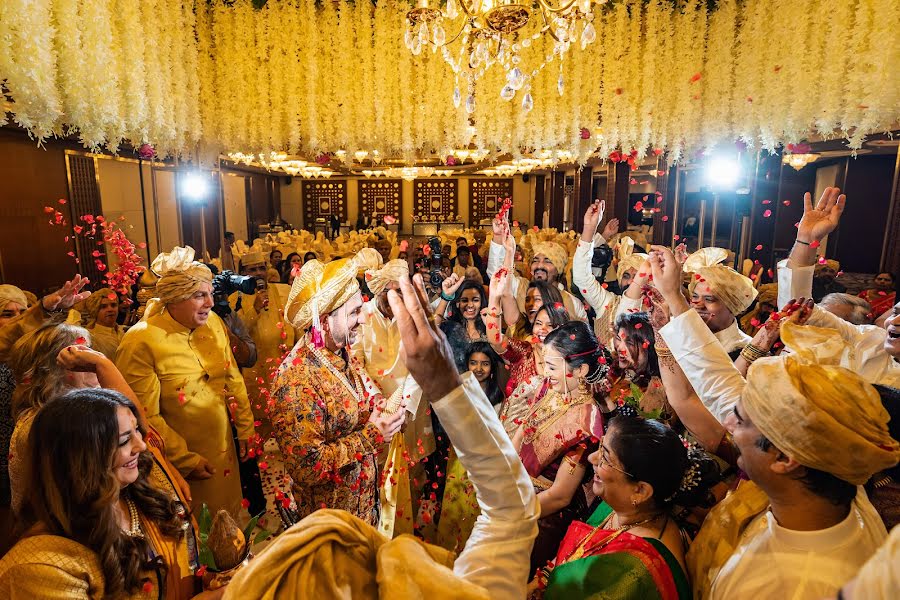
{"x":320,"y":412}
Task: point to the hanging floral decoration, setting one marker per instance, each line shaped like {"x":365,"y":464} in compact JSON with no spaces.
{"x":199,"y":77}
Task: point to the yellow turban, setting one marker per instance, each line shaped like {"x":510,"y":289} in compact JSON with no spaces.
{"x":733,"y":289}
{"x":179,"y":275}
{"x":824,"y":417}
{"x":253,"y":258}
{"x":627,"y":257}
{"x":369,"y":259}
{"x":10,"y":293}
{"x":830,"y":263}
{"x":91,"y":304}
{"x":378,"y":279}
{"x":320,"y":289}
{"x":331,"y":554}
{"x":554,"y":253}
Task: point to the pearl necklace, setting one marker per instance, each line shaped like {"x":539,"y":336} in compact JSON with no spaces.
{"x":135,"y":530}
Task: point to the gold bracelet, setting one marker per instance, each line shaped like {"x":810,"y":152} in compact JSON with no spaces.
{"x":751,"y":353}
{"x":662,"y":351}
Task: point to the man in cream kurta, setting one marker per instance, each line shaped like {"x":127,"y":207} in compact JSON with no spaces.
{"x":102,"y":308}
{"x":263,"y":315}
{"x":378,"y":350}
{"x":188,"y":381}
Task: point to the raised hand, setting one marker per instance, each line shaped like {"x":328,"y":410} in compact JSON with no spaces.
{"x":451,"y":284}
{"x":659,"y":310}
{"x":611,"y":229}
{"x":592,"y":217}
{"x":424,"y":349}
{"x":681,"y":253}
{"x":667,"y":278}
{"x":67,"y":296}
{"x":500,"y":225}
{"x":819,"y":221}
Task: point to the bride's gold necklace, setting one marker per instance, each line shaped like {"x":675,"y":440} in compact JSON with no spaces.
{"x":580,"y":550}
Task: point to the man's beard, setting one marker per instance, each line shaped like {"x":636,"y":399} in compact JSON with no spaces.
{"x":545,"y":277}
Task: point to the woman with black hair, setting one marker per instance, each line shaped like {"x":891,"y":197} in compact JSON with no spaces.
{"x":634,"y":374}
{"x":461,"y":301}
{"x":523,"y":357}
{"x":560,"y":430}
{"x":484,"y":364}
{"x":631,"y":547}
{"x":291,"y":262}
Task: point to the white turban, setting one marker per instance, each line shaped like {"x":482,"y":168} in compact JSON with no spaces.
{"x":180,"y":275}
{"x":733,"y":289}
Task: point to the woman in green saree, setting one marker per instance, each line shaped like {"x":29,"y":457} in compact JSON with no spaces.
{"x":631,"y":547}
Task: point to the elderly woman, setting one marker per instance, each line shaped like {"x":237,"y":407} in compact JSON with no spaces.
{"x":103,"y":518}
{"x":882,"y":295}
{"x":631,"y":547}
{"x":178,"y":361}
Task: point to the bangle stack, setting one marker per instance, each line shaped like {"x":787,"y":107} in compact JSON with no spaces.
{"x":662,"y":351}
{"x":751,"y":353}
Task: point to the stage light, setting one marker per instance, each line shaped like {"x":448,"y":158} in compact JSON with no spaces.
{"x":195,"y":186}
{"x":723,"y":172}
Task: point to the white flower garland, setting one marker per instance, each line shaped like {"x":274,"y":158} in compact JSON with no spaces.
{"x":189,"y":76}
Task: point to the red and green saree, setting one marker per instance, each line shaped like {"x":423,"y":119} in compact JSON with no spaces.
{"x":614,"y":567}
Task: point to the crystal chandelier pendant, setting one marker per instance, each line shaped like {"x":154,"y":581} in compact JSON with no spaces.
{"x":527,"y":102}
{"x":560,"y":85}
{"x":450,"y":10}
{"x":416,"y":47}
{"x":438,"y":35}
{"x":457,"y":97}
{"x":516,"y":78}
{"x":470,"y":104}
{"x":409,"y":37}
{"x":507,"y":93}
{"x":588,"y":35}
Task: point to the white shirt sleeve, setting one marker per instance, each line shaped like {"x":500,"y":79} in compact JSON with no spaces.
{"x":496,"y":556}
{"x":593,"y":293}
{"x":794,"y":282}
{"x":578,"y":312}
{"x":496,"y":254}
{"x":705,"y":363}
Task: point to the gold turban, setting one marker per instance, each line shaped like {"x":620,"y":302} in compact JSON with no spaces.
{"x":320,"y":289}
{"x":830,"y":263}
{"x":378,"y":279}
{"x":733,"y":289}
{"x":253,"y":258}
{"x":554,"y":253}
{"x":369,"y":259}
{"x":179,"y":275}
{"x":91,"y":304}
{"x":331,"y":554}
{"x":627,"y":257}
{"x":768,"y":294}
{"x":10,"y":293}
{"x":824,"y":417}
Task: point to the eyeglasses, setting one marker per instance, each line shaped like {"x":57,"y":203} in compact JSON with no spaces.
{"x":604,"y":460}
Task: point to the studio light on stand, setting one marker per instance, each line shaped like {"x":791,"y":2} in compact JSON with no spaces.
{"x":722,"y":174}
{"x":195,"y":187}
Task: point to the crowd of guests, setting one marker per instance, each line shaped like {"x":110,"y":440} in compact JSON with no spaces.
{"x":534,"y":415}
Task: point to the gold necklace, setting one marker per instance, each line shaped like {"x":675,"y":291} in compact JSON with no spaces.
{"x":580,"y":550}
{"x":135,"y":530}
{"x":333,"y":370}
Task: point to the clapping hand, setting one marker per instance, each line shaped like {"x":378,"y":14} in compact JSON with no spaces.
{"x":424,"y":349}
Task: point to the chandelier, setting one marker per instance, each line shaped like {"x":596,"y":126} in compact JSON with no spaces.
{"x":409,"y":173}
{"x":490,"y":33}
{"x":798,"y":161}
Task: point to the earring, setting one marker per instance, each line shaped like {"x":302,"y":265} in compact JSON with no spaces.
{"x":582,"y":387}
{"x":634,"y":502}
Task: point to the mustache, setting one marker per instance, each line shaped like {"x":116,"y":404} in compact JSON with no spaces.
{"x":542,"y":270}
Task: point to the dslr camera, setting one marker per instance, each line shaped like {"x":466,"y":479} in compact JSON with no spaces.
{"x":226,"y":283}
{"x":434,"y":243}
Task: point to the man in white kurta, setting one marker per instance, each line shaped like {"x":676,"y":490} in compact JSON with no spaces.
{"x":793,"y":421}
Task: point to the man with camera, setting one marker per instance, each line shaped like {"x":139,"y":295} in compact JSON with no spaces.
{"x":262,"y":311}
{"x":178,"y":361}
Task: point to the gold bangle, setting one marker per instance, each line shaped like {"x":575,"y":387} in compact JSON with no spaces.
{"x":662,"y":351}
